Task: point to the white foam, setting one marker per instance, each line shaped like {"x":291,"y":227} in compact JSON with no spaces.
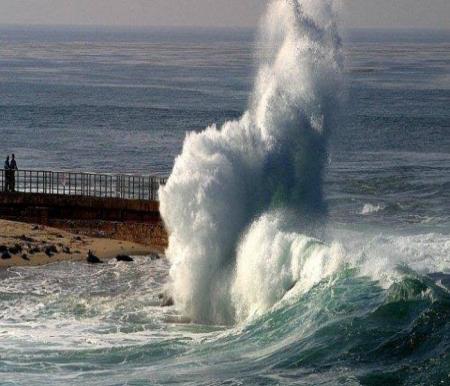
{"x":370,"y":208}
{"x":271,"y":262}
{"x":273,"y":157}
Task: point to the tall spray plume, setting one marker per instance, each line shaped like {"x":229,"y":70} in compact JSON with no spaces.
{"x":239,"y":196}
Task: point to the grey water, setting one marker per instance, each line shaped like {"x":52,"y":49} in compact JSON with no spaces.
{"x":120,"y":100}
{"x":112,"y":100}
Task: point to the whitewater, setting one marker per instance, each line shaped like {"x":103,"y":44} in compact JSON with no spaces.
{"x":257,"y":180}
{"x":290,"y":261}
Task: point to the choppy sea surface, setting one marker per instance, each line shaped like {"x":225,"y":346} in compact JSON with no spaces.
{"x":112,"y":100}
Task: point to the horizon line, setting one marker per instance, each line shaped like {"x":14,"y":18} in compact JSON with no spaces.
{"x":249,"y":28}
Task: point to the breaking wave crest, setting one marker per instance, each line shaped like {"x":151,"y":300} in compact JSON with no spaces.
{"x":259,"y":176}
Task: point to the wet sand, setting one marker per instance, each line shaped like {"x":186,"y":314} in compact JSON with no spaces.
{"x":24,"y":244}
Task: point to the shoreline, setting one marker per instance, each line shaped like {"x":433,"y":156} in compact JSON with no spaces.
{"x":24,"y":244}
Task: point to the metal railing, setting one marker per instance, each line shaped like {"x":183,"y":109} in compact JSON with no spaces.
{"x":125,"y":186}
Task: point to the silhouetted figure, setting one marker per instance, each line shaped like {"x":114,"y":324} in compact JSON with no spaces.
{"x":12,"y":170}
{"x":6,"y":175}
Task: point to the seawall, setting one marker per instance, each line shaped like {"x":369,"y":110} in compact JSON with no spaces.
{"x":124,"y":219}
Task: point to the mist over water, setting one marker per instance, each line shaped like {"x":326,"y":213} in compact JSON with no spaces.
{"x":263,"y":170}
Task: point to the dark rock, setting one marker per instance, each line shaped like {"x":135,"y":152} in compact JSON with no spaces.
{"x":167,"y":301}
{"x":6,"y":255}
{"x":25,"y":257}
{"x":32,"y":250}
{"x":59,"y":236}
{"x":124,"y":258}
{"x":27,"y":239}
{"x":16,"y":249}
{"x":92,"y":259}
{"x":50,"y":250}
{"x":78,"y":238}
{"x":3,"y":248}
{"x":154,"y":256}
{"x":66,"y":250}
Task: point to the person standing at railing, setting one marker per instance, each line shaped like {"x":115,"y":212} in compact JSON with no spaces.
{"x":12,"y":171}
{"x":6,"y":176}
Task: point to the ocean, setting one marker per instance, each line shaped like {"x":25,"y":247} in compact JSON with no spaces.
{"x":266,"y":295}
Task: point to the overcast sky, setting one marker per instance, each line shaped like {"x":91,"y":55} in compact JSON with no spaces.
{"x":358,"y":13}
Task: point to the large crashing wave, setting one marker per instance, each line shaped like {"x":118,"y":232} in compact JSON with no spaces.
{"x":239,"y":196}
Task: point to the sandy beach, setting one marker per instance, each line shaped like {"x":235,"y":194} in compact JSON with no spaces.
{"x":24,"y":244}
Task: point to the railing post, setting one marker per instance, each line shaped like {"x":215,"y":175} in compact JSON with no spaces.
{"x":128,"y":187}
{"x":152,"y":187}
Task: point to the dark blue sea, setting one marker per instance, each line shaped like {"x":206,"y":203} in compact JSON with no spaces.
{"x":122,"y":101}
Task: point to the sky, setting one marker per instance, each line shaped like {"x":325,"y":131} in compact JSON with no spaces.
{"x":432,"y":14}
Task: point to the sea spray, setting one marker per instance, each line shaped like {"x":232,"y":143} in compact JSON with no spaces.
{"x":272,"y":260}
{"x":262,"y":170}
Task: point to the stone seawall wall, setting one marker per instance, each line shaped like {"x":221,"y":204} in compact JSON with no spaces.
{"x":148,"y":234}
{"x":130,"y":220}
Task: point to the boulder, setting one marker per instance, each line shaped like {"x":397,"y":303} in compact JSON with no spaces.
{"x":33,"y":249}
{"x":166,"y":300}
{"x":154,"y":256}
{"x":27,"y":239}
{"x":15,"y":250}
{"x":6,"y":255}
{"x":50,"y":250}
{"x":124,"y":258}
{"x":25,"y":257}
{"x":92,"y":259}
